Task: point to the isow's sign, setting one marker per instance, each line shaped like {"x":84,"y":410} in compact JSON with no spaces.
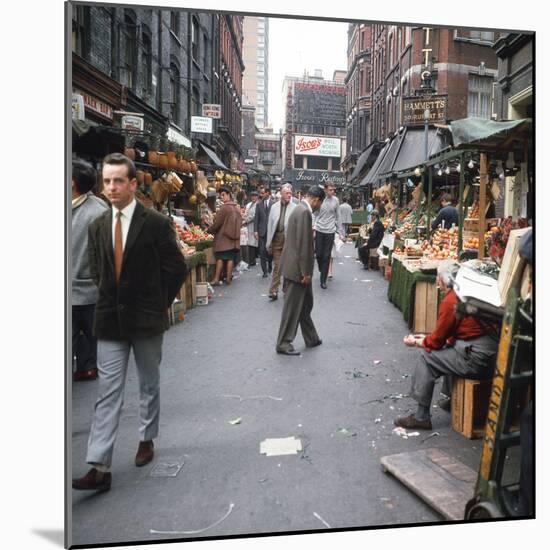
{"x":317,"y":146}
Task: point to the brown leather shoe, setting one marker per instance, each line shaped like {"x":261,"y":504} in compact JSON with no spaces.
{"x":94,"y":480}
{"x":80,"y":376}
{"x":144,"y":453}
{"x":410,"y":422}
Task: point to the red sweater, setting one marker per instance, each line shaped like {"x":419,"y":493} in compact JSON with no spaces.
{"x":448,"y":328}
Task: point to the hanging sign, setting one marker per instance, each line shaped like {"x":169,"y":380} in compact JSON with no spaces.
{"x":413,"y":109}
{"x":201,"y":124}
{"x":78,"y":107}
{"x":212,"y":110}
{"x":132,"y":122}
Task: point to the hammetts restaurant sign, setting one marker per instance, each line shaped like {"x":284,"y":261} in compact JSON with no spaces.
{"x":313,"y":177}
{"x":414,"y":108}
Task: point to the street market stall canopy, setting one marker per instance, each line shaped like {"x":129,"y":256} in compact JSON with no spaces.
{"x":411,"y":153}
{"x":371,"y":176}
{"x":211,"y":154}
{"x":366,"y":160}
{"x":489,"y":135}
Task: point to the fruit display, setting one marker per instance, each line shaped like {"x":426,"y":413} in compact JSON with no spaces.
{"x":195,"y":234}
{"x":473,"y":211}
{"x":497,"y":237}
{"x":471,"y":243}
{"x":443,"y":246}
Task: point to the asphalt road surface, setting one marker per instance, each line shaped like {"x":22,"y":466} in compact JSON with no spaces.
{"x":220,"y":365}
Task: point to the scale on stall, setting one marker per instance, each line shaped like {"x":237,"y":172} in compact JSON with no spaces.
{"x":450,"y":487}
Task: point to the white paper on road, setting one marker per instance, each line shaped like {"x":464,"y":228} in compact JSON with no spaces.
{"x":196,"y":531}
{"x":280,"y":446}
{"x":471,"y":284}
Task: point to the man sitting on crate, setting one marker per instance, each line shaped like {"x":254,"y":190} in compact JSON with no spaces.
{"x":375,"y":238}
{"x":458,"y":346}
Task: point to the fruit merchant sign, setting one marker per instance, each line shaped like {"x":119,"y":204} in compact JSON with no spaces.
{"x":317,"y":146}
{"x":414,"y":107}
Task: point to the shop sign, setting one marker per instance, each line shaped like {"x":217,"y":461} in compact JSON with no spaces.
{"x":97,"y":106}
{"x":78,"y":107}
{"x":132,"y":122}
{"x":201,"y":124}
{"x":211,"y":110}
{"x":253,"y":152}
{"x":321,"y":177}
{"x":413,"y":109}
{"x":249,"y":161}
{"x":364,"y":104}
{"x":177,"y":137}
{"x":317,"y":146}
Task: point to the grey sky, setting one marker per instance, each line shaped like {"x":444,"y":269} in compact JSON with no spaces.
{"x":295,"y":45}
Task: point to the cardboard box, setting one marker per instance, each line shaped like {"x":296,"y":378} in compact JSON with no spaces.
{"x":469,"y":406}
{"x":202,"y":290}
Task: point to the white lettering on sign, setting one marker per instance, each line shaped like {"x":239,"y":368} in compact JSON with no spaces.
{"x":95,"y":105}
{"x":212,"y":110}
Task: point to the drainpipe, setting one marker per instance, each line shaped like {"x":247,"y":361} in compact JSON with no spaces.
{"x":159,"y":55}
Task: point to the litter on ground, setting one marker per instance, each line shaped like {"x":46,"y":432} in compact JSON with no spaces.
{"x":280,"y":446}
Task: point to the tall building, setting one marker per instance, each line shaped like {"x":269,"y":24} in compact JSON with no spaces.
{"x":256,"y":61}
{"x":314,"y":132}
{"x":229,"y":68}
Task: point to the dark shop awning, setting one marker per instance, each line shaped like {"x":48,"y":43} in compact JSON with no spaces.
{"x":372,"y":174}
{"x":211,"y":154}
{"x":366,"y":160}
{"x":411,"y":153}
{"x":386,"y":166}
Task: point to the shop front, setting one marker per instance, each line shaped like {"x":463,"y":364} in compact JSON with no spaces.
{"x":302,"y":179}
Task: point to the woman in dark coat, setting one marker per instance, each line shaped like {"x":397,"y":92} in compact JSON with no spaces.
{"x":375,"y":238}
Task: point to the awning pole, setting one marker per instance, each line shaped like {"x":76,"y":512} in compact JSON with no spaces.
{"x":399,"y":198}
{"x":428,"y":224}
{"x":461,"y":204}
{"x":482,"y":203}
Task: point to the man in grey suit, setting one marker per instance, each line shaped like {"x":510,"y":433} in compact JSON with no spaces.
{"x":138,"y":267}
{"x":260,"y":228}
{"x":297,"y":265}
{"x":277,"y":223}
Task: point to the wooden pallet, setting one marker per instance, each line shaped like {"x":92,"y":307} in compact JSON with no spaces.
{"x":441,"y":481}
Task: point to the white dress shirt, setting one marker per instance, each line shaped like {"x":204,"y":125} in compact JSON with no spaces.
{"x":125,"y":221}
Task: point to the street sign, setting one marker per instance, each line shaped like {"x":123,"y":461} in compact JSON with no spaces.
{"x":249,"y":161}
{"x":211,"y":110}
{"x":201,"y":124}
{"x":414,"y":107}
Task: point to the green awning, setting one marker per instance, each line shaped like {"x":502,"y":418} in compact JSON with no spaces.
{"x":471,"y":131}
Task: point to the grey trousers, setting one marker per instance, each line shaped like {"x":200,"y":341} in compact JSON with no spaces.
{"x":296,"y":311}
{"x":467,"y":359}
{"x":277,"y":245}
{"x":112,"y":364}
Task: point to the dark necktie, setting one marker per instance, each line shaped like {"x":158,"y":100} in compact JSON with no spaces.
{"x":118,"y":246}
{"x":281,"y":224}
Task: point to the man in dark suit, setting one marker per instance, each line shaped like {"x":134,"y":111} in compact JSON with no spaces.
{"x":263,"y":207}
{"x":138,"y":267}
{"x":297,"y":267}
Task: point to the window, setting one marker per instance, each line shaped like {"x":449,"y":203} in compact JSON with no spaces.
{"x":267,"y":157}
{"x":204,"y":50}
{"x":317,"y":163}
{"x":146,"y":57}
{"x":174,"y":93}
{"x":261,"y":85}
{"x":128,"y":65}
{"x":195,"y":102}
{"x":298,"y":161}
{"x":80,"y":16}
{"x":195,"y":39}
{"x":479,"y":96}
{"x":261,"y":39}
{"x":175,"y":22}
{"x":488,"y":36}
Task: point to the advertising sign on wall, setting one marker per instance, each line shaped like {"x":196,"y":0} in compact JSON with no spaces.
{"x":317,"y":146}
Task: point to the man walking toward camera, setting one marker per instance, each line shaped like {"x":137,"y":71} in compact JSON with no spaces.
{"x":139,"y":268}
{"x":276,"y":229}
{"x":260,"y":229}
{"x":327,"y":223}
{"x":297,"y":261}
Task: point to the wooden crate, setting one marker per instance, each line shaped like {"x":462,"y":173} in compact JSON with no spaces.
{"x":202,"y":273}
{"x":425,"y":307}
{"x":469,"y":406}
